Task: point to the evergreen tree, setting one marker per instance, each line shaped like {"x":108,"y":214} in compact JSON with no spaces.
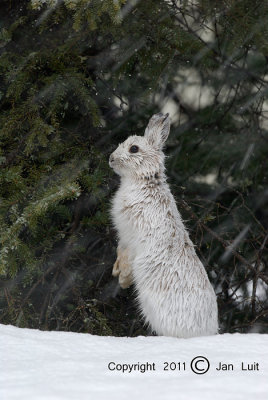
{"x":77,"y":77}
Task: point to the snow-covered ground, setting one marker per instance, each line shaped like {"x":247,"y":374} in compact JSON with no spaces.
{"x":63,"y":365}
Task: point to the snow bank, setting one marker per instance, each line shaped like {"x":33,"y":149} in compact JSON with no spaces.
{"x":63,"y":365}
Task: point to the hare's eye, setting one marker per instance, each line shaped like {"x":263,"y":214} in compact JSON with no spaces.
{"x":134,"y":149}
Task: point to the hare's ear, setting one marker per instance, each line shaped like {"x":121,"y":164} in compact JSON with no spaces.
{"x":157,"y":130}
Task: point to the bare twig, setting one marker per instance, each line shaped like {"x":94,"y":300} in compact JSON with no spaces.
{"x":224,"y":242}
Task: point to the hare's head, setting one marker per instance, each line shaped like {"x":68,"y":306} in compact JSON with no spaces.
{"x":142,"y":156}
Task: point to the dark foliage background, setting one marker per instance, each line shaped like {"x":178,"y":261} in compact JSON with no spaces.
{"x":77,"y":77}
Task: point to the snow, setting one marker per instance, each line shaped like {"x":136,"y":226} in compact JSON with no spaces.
{"x":64,"y":365}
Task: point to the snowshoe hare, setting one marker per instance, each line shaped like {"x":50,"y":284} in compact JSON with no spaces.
{"x":155,"y":251}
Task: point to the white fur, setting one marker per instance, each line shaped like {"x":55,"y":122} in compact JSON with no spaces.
{"x":173,"y":289}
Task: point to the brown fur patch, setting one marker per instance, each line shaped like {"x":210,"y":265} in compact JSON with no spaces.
{"x":122,"y":268}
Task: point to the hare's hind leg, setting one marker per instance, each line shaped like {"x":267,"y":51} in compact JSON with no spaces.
{"x":122,"y":268}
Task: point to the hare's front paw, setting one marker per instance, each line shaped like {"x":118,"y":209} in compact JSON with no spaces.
{"x":122,"y":268}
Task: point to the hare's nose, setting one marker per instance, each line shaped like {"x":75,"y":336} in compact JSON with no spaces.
{"x":111,"y":158}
